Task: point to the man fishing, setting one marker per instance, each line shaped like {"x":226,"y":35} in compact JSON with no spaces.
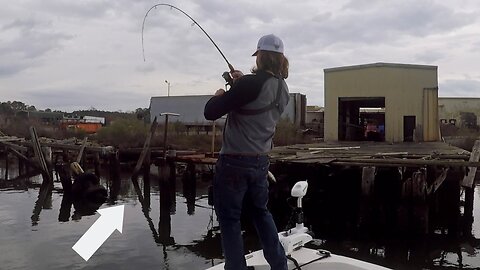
{"x":253,"y":104}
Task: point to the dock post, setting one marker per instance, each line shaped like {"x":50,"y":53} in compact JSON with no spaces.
{"x":65,"y":176}
{"x":368,"y":180}
{"x":414,"y":210}
{"x":114,"y":173}
{"x":144,"y":157}
{"x":469,"y":179}
{"x":165,"y":131}
{"x":40,"y":156}
{"x":146,"y":182}
{"x":366,"y":197}
{"x":6,"y":163}
{"x":468,"y":212}
{"x":172,"y":184}
{"x":47,"y":152}
{"x":189,"y":187}
{"x":164,"y":224}
{"x":81,"y":153}
{"x":96,"y":164}
{"x":452,"y":204}
{"x":44,"y":201}
{"x":21,"y":166}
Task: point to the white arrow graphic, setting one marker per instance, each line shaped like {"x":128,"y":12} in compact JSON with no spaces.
{"x":111,"y":219}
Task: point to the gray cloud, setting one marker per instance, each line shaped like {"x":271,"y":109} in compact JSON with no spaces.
{"x":84,"y":97}
{"x":381,"y":22}
{"x":11,"y":69}
{"x":93,"y":47}
{"x":28,"y":39}
{"x":460,"y":88}
{"x":146,"y":68}
{"x":428,"y":57}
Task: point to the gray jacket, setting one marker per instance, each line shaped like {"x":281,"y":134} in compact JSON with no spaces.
{"x":254,"y":105}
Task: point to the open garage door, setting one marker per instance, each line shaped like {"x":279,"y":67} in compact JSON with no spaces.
{"x":361,"y":118}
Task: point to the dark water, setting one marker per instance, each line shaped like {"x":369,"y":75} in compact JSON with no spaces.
{"x":32,"y":237}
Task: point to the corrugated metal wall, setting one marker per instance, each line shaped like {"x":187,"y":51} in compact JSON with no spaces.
{"x":401,"y":85}
{"x":191,"y":109}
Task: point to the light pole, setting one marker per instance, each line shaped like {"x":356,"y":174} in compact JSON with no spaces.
{"x":168,"y":89}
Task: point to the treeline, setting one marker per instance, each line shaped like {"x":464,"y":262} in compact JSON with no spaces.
{"x":123,"y":129}
{"x":17,"y":117}
{"x":9,"y":108}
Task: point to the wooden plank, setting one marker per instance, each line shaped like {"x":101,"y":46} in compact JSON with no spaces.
{"x":37,"y":149}
{"x":82,"y":149}
{"x":10,"y":139}
{"x":469,"y":179}
{"x":24,"y":158}
{"x":322,"y":149}
{"x":14,"y":146}
{"x":146,"y":148}
{"x":104,"y":150}
{"x":390,"y":154}
{"x":409,"y":162}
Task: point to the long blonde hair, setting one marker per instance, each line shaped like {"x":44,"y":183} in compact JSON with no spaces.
{"x":274,"y":62}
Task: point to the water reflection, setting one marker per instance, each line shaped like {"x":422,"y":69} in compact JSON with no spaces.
{"x":44,"y":201}
{"x":170,"y":219}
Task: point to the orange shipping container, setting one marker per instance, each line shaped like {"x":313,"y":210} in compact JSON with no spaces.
{"x":89,"y":127}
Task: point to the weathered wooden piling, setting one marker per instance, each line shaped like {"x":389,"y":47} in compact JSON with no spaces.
{"x":144,"y":157}
{"x":146,"y":182}
{"x":6,"y":163}
{"x":44,"y":201}
{"x":39,"y":155}
{"x":167,"y":203}
{"x":63,"y":170}
{"x":114,"y":175}
{"x":189,"y":184}
{"x":96,"y":164}
{"x":165,"y":131}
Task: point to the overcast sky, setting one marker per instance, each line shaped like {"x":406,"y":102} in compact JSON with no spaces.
{"x":71,"y":55}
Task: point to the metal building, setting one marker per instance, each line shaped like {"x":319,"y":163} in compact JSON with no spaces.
{"x":191,"y":109}
{"x":381,"y":102}
{"x":459,"y":111}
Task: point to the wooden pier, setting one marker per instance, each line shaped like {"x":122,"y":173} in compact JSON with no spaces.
{"x":404,"y":187}
{"x":412,"y":188}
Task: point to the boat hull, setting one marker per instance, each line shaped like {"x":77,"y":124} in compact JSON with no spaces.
{"x":309,"y":259}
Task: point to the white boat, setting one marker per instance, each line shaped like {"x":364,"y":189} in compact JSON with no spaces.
{"x":299,"y":256}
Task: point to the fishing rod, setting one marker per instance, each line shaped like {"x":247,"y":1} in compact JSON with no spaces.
{"x":195,"y":22}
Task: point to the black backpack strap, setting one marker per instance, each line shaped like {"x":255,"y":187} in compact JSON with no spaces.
{"x":274,"y":104}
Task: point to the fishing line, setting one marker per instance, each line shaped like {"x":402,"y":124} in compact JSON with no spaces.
{"x":194,"y":22}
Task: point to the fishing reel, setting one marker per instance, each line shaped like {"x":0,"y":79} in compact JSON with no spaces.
{"x":228,"y":78}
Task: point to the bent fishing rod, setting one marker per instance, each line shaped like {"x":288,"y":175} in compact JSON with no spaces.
{"x":195,"y":22}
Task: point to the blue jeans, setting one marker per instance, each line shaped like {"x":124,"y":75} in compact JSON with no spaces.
{"x":239,"y":178}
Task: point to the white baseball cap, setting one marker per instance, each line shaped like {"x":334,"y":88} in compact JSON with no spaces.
{"x":269,"y":43}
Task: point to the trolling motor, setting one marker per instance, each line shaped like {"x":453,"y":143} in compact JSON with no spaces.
{"x":298,"y":236}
